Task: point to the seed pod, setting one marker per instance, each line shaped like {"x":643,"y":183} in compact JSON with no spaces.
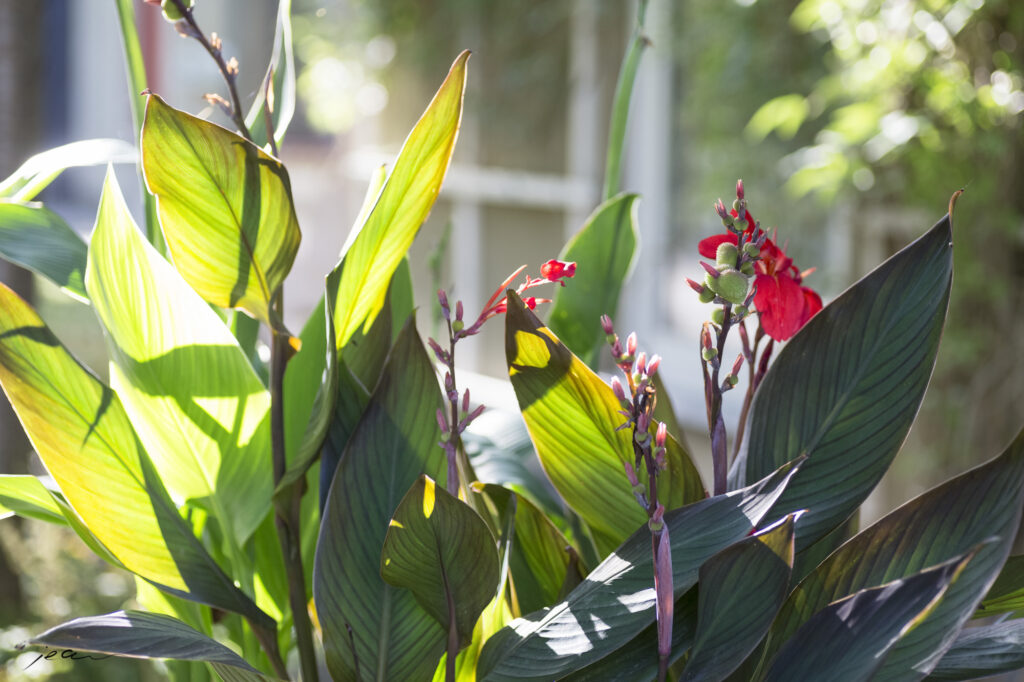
{"x":718,"y":316}
{"x":170,"y":10}
{"x":731,"y":285}
{"x":727,"y":254}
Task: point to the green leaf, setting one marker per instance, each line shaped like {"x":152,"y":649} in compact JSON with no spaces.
{"x":572,"y":416}
{"x":83,"y":436}
{"x":282,"y":103}
{"x":844,"y":391}
{"x":617,"y":599}
{"x":28,"y":498}
{"x":943,"y":523}
{"x":741,"y":589}
{"x":541,"y":560}
{"x":1007,"y":593}
{"x":36,"y":238}
{"x":982,"y":652}
{"x":395,"y":442}
{"x":403,"y":205}
{"x":225,"y":208}
{"x":439,"y":549}
{"x":188,"y":388}
{"x":138,"y":634}
{"x":604,"y":251}
{"x":33,"y":176}
{"x":848,"y":639}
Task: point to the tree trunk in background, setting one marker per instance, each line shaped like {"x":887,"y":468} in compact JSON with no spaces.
{"x":21,"y":49}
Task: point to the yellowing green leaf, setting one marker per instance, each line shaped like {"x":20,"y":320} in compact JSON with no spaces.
{"x":401,"y":208}
{"x":225,"y":208}
{"x":192,"y":395}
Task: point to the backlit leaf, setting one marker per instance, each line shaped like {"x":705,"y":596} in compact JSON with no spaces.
{"x":36,"y":238}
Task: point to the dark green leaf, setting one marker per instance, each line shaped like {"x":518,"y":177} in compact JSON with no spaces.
{"x":848,"y":639}
{"x":36,"y":238}
{"x":741,"y":589}
{"x":138,"y":634}
{"x":603,"y":251}
{"x":944,"y":522}
{"x":844,"y":391}
{"x":572,"y":416}
{"x":394,"y":443}
{"x":439,"y":549}
{"x":225,"y":207}
{"x":983,"y":651}
{"x":617,"y":600}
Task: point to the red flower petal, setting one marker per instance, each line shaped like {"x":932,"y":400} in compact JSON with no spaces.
{"x":708,"y":247}
{"x":780,"y":303}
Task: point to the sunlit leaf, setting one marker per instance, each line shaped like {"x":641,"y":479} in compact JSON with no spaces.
{"x":982,"y":652}
{"x":225,"y":207}
{"x":282,"y":78}
{"x":400,"y":209}
{"x":84,"y":438}
{"x":27,"y":497}
{"x":572,"y":416}
{"x":33,"y":176}
{"x":191,"y":393}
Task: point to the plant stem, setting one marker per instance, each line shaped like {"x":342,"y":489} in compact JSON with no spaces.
{"x":229,"y":76}
{"x":268,"y":640}
{"x":719,"y":440}
{"x":620,"y":106}
{"x":136,"y":84}
{"x":287,"y":516}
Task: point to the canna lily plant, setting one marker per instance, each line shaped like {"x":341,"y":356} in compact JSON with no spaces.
{"x":320,"y":515}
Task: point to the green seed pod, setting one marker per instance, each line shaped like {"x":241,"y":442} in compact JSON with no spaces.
{"x":718,"y":316}
{"x":458,"y":326}
{"x":727,"y":254}
{"x":740,"y":312}
{"x":751,"y":249}
{"x":732,"y":286}
{"x":707,"y":296}
{"x":732,"y":379}
{"x":747,"y":269}
{"x":709,"y":354}
{"x":170,"y":10}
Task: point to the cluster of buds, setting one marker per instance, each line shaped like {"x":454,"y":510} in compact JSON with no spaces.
{"x":465,"y":416}
{"x":728,"y":280}
{"x":637,"y":399}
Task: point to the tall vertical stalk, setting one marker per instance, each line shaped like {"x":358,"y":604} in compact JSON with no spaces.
{"x":620,"y":106}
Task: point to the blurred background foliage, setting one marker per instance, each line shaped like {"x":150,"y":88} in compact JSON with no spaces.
{"x":851,"y":121}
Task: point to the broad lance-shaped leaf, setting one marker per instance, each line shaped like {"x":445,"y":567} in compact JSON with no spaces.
{"x":403,"y":205}
{"x":616,"y":600}
{"x":741,"y":589}
{"x":36,"y":174}
{"x":848,"y":639}
{"x":138,"y":634}
{"x":604,"y":251}
{"x":28,"y":498}
{"x":845,"y":390}
{"x":982,"y":652}
{"x":225,"y":207}
{"x":281,"y":102}
{"x":572,"y":416}
{"x":36,"y":238}
{"x":945,"y":522}
{"x":188,"y":388}
{"x":439,"y":549}
{"x":394,"y":638}
{"x":84,"y":438}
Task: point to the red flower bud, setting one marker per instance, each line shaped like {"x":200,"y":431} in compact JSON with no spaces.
{"x":555,"y":270}
{"x":739,"y":189}
{"x":606,"y":325}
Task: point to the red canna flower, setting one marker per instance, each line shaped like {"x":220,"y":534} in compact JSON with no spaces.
{"x":555,"y":270}
{"x":708,"y":247}
{"x":784,"y":305}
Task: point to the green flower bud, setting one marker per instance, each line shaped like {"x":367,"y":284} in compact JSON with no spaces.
{"x":727,"y":254}
{"x":718,"y":316}
{"x":709,"y":354}
{"x":170,"y":9}
{"x":458,"y":326}
{"x":732,"y":379}
{"x":739,"y":311}
{"x":751,"y":249}
{"x":731,"y":285}
{"x":747,"y":269}
{"x":707,"y":296}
